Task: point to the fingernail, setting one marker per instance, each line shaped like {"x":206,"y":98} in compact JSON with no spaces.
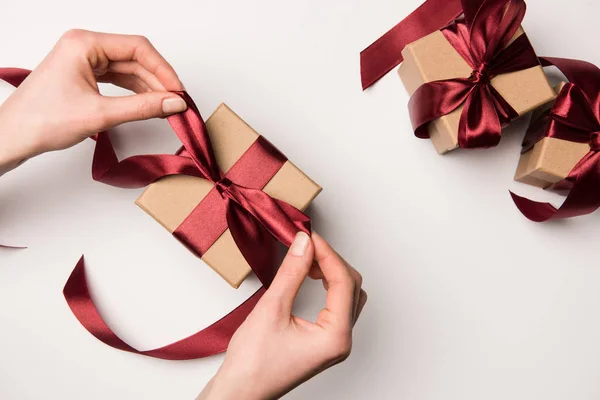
{"x":173,"y":105}
{"x":300,"y":244}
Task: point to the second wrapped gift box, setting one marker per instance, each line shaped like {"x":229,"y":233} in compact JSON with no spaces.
{"x":433,"y":58}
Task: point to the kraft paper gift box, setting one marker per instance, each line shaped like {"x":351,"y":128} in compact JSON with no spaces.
{"x":433,"y":58}
{"x":171,"y":199}
{"x":550,"y":160}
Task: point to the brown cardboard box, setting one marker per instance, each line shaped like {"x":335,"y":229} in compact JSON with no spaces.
{"x":171,"y":199}
{"x":433,"y":58}
{"x":551,"y":159}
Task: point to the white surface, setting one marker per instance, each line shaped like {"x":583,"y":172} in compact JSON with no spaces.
{"x":468,"y":300}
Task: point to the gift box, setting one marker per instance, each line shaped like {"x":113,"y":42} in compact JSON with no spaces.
{"x":433,"y":58}
{"x":171,"y":199}
{"x":550,"y":160}
{"x":561,"y":150}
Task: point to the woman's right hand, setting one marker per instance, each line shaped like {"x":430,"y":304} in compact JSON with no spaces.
{"x":274,"y":351}
{"x":59,"y":104}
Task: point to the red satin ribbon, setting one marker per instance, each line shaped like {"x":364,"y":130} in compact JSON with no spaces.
{"x":209,"y":341}
{"x":575,"y":116}
{"x":256,"y":220}
{"x":481,"y":39}
{"x":386,"y":53}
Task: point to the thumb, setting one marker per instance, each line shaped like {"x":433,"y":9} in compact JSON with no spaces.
{"x":292,"y":273}
{"x":118,"y":110}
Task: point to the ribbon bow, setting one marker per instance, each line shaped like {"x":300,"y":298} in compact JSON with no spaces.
{"x":482,"y":39}
{"x":575,"y":116}
{"x":237,"y":202}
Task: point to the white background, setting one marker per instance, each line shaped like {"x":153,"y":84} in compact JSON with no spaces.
{"x":468,"y":299}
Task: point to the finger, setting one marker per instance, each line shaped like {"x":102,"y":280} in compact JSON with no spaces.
{"x":129,"y":82}
{"x":355,"y":275}
{"x":357,"y":288}
{"x":292,"y":273}
{"x":118,"y":110}
{"x":134,"y":68}
{"x":315,"y":272}
{"x":340,"y":295}
{"x":138,"y":48}
{"x":362,"y":300}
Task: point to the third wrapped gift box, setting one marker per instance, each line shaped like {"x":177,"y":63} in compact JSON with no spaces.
{"x":545,"y":160}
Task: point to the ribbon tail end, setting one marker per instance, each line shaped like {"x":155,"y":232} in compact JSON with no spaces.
{"x":533,"y":210}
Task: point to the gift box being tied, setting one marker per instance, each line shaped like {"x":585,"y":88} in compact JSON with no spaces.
{"x":188,"y":203}
{"x":219,"y":196}
{"x":562,"y":145}
{"x":467,"y":79}
{"x":234,"y":182}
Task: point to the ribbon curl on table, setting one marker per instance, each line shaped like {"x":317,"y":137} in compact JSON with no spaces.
{"x":483,"y":39}
{"x":256,"y":220}
{"x":575,"y":116}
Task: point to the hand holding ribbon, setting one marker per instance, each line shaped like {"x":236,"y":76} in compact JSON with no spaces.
{"x":255,"y":219}
{"x":575,"y":116}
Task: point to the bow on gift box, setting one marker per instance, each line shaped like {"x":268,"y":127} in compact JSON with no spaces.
{"x":256,"y":220}
{"x":482,"y":39}
{"x":575,"y":116}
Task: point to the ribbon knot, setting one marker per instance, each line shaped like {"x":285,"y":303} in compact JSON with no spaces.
{"x":223,"y":185}
{"x":595,"y":141}
{"x":481,"y":74}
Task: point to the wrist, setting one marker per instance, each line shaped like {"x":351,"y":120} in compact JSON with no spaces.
{"x":229,"y":385}
{"x":16,"y":145}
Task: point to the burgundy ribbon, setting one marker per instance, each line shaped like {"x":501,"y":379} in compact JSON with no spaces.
{"x":575,"y":116}
{"x":237,"y":202}
{"x":386,"y":53}
{"x":482,"y":39}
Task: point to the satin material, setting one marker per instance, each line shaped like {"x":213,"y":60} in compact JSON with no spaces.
{"x":253,"y":217}
{"x":575,"y":116}
{"x":256,"y":220}
{"x":481,"y":39}
{"x":386,"y":53}
{"x":211,"y":340}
